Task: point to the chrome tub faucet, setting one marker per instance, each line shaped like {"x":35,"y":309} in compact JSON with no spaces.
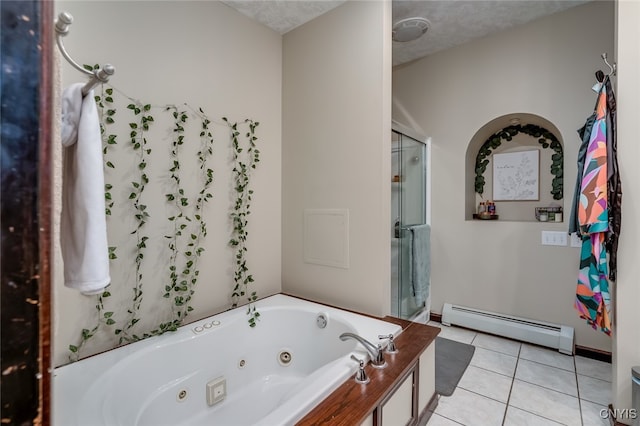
{"x":376,"y":353}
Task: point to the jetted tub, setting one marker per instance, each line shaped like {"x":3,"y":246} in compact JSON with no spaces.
{"x":272,"y":374}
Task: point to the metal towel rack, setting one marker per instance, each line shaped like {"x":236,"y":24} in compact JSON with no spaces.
{"x":99,"y":76}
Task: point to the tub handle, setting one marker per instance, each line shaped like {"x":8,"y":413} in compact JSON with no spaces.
{"x":391,"y":346}
{"x":377,"y":355}
{"x":361,"y":375}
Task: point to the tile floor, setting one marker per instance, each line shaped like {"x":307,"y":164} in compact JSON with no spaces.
{"x":509,"y":383}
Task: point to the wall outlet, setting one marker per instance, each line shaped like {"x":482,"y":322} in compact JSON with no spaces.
{"x":554,"y":238}
{"x":216,"y":390}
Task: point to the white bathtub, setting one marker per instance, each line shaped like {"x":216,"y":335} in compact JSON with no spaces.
{"x":162,"y":380}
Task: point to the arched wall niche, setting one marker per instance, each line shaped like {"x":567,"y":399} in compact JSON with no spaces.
{"x":521,"y":210}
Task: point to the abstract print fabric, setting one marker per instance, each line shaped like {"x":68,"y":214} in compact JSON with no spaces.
{"x":593,"y":300}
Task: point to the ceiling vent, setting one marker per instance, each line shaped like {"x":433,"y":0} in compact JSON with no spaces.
{"x":410,"y":29}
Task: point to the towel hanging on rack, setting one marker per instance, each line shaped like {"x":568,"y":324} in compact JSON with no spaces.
{"x":420,"y":262}
{"x":83,"y":227}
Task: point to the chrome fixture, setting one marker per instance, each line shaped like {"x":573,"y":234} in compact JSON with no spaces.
{"x":391,"y":346}
{"x":612,"y":68}
{"x":361,"y":375}
{"x":377,"y":354}
{"x":321,"y":320}
{"x":284,"y":358}
{"x":99,"y":76}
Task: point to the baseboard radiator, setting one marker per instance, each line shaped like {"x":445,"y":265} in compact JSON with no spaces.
{"x":541,"y":333}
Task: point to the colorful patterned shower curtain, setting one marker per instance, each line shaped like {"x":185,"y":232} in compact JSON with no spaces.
{"x":593,"y":299}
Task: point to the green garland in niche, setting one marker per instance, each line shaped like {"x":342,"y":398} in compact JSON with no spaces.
{"x":545,"y":138}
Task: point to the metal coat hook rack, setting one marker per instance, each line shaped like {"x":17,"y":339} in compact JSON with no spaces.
{"x":99,"y":76}
{"x":612,"y":67}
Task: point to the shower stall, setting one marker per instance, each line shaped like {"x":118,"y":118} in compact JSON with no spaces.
{"x":409,"y":209}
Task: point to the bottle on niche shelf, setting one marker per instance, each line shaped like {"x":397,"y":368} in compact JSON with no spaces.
{"x":491,"y":207}
{"x":482,"y":207}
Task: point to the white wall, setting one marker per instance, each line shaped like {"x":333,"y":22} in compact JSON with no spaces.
{"x":626,"y":329}
{"x":544,"y":68}
{"x":336,"y":152}
{"x":209,"y":56}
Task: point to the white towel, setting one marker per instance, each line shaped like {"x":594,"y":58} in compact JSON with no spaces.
{"x":83,"y":227}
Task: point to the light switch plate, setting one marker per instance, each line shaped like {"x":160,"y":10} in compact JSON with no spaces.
{"x":575,"y":240}
{"x":554,"y":238}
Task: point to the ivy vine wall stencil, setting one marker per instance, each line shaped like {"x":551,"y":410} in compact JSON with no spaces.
{"x":158,"y":170}
{"x":545,"y":138}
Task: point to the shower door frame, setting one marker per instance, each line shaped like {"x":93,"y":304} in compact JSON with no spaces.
{"x":396,"y":305}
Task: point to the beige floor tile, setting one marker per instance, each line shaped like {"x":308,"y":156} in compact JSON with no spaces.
{"x":545,"y":402}
{"x":458,"y":334}
{"x":593,"y":368}
{"x":544,"y":392}
{"x":548,"y":377}
{"x":471,"y":409}
{"x":592,"y":414}
{"x":518,"y":417}
{"x":486,"y":383}
{"x":438,"y":420}
{"x":494,"y":361}
{"x":498,"y":344}
{"x":547,"y":356}
{"x":594,"y":390}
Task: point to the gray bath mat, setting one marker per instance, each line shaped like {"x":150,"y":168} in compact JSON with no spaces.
{"x":452,"y":359}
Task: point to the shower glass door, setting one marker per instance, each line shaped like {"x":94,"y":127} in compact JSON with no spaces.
{"x":408,"y":207}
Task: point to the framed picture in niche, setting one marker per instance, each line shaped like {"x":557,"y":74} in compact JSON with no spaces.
{"x":516,"y":176}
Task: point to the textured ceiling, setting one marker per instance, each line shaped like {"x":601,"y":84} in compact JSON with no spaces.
{"x":283,"y":15}
{"x":456,"y":22}
{"x":453,"y":22}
